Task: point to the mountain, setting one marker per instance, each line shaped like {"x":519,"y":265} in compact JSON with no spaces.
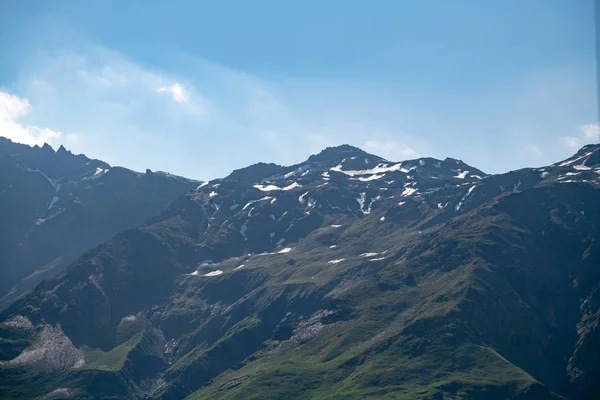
{"x":55,"y":205}
{"x":343,"y":277}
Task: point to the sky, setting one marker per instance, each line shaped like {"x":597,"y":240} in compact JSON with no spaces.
{"x":199,"y":88}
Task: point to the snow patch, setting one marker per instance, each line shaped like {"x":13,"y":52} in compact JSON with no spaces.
{"x":214,"y":273}
{"x":292,"y":186}
{"x":408,"y":191}
{"x":254,"y":201}
{"x":284,"y":251}
{"x":54,"y":200}
{"x":368,"y":255}
{"x":380,"y":168}
{"x":517,"y":185}
{"x":267,"y":188}
{"x":582,"y":167}
{"x":464,"y":197}
{"x":461,"y":175}
{"x":564,"y":164}
{"x":339,"y":260}
{"x":361,"y":203}
{"x":370,"y":178}
{"x":361,"y":200}
{"x":301,"y":198}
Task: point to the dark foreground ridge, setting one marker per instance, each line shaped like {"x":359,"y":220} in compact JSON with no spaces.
{"x":343,"y":277}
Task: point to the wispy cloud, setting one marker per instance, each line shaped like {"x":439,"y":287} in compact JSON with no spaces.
{"x":176,"y":91}
{"x":588,"y":133}
{"x":112,"y":108}
{"x":202,"y":120}
{"x":107,"y":107}
{"x":391,"y":150}
{"x":591,"y":133}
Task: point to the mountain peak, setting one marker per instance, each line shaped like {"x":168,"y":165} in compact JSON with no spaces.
{"x":255,"y":172}
{"x":329,"y":156}
{"x":338,"y":152}
{"x":588,"y":155}
{"x":46,"y":147}
{"x":62,"y":150}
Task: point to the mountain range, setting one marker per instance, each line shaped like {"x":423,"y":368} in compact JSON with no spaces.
{"x":346,"y":276}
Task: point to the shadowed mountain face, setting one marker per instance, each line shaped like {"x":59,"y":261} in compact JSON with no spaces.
{"x":55,"y":205}
{"x":343,"y":277}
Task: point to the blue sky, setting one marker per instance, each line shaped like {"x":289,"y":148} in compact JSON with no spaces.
{"x":199,"y":88}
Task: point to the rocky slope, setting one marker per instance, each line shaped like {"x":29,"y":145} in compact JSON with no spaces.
{"x":343,"y":277}
{"x":55,"y":205}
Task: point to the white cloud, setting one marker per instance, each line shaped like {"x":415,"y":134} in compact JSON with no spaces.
{"x":591,"y":133}
{"x":106,"y":106}
{"x":12,"y":111}
{"x":571,"y":142}
{"x":390,"y":150}
{"x":531,"y":150}
{"x":588,"y":133}
{"x":177,"y":92}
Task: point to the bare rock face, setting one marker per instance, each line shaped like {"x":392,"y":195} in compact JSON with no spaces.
{"x":52,"y":351}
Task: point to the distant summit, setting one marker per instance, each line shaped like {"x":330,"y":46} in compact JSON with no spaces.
{"x":336,"y":153}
